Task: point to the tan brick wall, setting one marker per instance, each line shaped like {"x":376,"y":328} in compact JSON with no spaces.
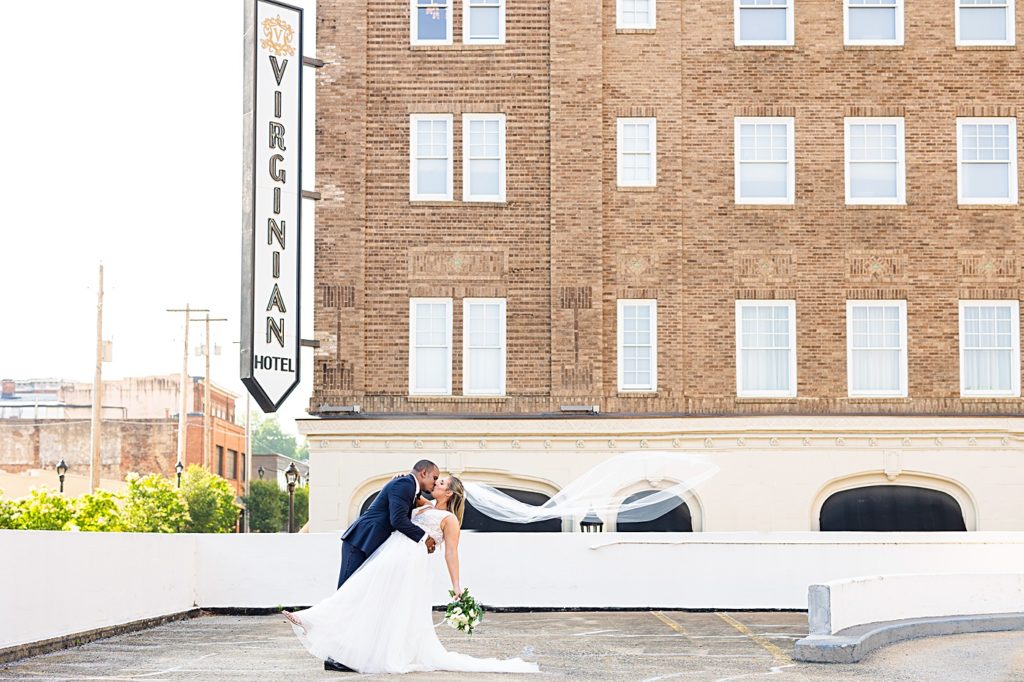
{"x":568,"y":242}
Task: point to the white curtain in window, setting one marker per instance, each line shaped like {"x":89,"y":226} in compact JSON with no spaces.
{"x":431,"y":347}
{"x":876,"y":349}
{"x":484,"y":347}
{"x":983,"y":20}
{"x":763,"y":20}
{"x":872,"y":19}
{"x":985,"y":160}
{"x":432,"y":156}
{"x":766,"y":348}
{"x":988,"y":348}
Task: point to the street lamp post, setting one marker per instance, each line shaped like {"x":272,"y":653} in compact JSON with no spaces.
{"x":62,"y":468}
{"x":291,"y":475}
{"x":261,"y":471}
{"x":178,"y":469}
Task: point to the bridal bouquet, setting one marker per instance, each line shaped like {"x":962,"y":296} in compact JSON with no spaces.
{"x":464,"y":613}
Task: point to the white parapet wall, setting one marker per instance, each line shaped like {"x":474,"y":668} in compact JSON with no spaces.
{"x":56,"y":584}
{"x":841,"y":604}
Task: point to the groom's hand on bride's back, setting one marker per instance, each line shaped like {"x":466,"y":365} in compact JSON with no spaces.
{"x":431,"y":545}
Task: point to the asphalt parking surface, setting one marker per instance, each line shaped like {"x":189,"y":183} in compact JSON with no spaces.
{"x":644,"y":646}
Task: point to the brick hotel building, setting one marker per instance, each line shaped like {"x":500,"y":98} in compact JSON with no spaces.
{"x":783,"y":234}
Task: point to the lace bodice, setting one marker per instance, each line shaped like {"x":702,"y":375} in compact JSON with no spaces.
{"x":430,"y":519}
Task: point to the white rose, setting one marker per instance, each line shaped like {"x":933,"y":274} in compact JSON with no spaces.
{"x":457,"y":610}
{"x":472,"y":613}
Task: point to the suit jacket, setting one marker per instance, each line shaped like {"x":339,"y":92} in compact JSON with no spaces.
{"x":390,"y":511}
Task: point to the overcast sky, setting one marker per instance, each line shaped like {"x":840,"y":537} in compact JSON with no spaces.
{"x":122,"y":144}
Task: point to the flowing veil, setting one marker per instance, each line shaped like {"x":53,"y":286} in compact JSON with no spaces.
{"x":597,"y":490}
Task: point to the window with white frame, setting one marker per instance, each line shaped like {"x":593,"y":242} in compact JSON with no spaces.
{"x":766,"y":348}
{"x":483,"y":157}
{"x":430,"y":346}
{"x":638,"y":345}
{"x":876,"y":333}
{"x":763,"y":22}
{"x":635,"y":14}
{"x":430,"y":22}
{"x":875,"y":166}
{"x":987,"y":160}
{"x":430,"y":157}
{"x":483,"y":346}
{"x":989,"y":348}
{"x":764,"y":160}
{"x":873,"y":22}
{"x":483,"y":21}
{"x":637,"y":152}
{"x":985,"y":22}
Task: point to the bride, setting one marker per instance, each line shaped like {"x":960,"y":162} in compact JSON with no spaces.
{"x":379,"y":620}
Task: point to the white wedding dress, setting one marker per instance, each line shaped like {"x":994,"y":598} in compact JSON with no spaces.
{"x":380,"y":620}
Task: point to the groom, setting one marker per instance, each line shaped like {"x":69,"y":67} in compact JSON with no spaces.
{"x":390,"y":511}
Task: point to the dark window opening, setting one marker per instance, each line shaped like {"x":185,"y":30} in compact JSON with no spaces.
{"x":888,"y":508}
{"x":674,"y":517}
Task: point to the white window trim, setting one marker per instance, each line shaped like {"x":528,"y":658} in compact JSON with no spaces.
{"x":790,"y":153}
{"x":1014,"y":391}
{"x":871,"y":41}
{"x":652,"y":123}
{"x":413,"y":27}
{"x":414,"y":194}
{"x":653,"y":304}
{"x":469,"y":40}
{"x":901,"y":164}
{"x":1011,"y":28}
{"x":740,"y":392}
{"x":465,"y":345}
{"x":1013,"y":199}
{"x":736,"y":25}
{"x":413,"y":390}
{"x":466,"y":189}
{"x":902,"y":391}
{"x":653,"y":14}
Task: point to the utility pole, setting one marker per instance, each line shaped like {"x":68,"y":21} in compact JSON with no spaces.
{"x":183,"y":411}
{"x":97,"y":394}
{"x":207,"y":456}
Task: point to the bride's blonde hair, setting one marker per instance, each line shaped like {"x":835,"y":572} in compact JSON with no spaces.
{"x":457,"y":502}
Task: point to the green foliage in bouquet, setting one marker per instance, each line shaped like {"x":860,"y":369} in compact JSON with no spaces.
{"x":464,"y":613}
{"x":210,"y":500}
{"x":153,"y":505}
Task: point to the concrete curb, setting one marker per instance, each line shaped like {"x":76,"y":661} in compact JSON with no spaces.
{"x":46,"y":646}
{"x":853,"y":644}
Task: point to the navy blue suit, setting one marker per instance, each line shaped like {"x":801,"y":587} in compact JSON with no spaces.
{"x":390,"y":511}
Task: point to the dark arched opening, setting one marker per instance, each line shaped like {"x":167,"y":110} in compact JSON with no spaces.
{"x":891,"y":508}
{"x":674,"y":517}
{"x":369,"y":501}
{"x":475,"y":520}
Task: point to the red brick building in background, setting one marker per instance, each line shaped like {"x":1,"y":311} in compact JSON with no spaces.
{"x":140,"y":427}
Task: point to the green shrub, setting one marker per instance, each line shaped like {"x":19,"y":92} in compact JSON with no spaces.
{"x":153,"y":505}
{"x":43,"y":509}
{"x":98,"y":511}
{"x":267,"y":507}
{"x":210,"y":500}
{"x":8,"y":514}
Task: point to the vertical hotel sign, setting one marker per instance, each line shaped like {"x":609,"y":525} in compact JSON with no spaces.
{"x":272,"y":201}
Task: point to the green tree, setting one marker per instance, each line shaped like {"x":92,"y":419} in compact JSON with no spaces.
{"x":210,"y":500}
{"x":267,"y":436}
{"x":301,"y":507}
{"x":44,"y":509}
{"x":153,"y":505}
{"x":266,"y":504}
{"x":97,"y":511}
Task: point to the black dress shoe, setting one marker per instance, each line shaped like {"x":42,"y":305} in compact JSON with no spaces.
{"x":331,"y":664}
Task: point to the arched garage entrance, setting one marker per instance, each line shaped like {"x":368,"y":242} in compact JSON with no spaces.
{"x":891,"y":508}
{"x":674,"y":517}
